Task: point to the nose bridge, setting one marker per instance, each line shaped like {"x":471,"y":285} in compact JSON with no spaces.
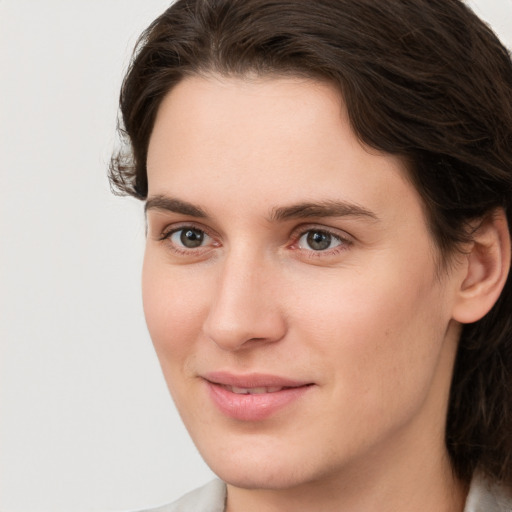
{"x":244,"y":306}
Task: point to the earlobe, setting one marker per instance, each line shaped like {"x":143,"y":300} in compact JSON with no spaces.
{"x":485,"y":269}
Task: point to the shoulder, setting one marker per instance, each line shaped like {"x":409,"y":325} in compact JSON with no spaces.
{"x":487,"y":496}
{"x":209,"y":498}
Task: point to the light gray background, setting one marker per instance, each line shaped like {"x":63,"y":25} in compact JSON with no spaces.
{"x":86,"y":423}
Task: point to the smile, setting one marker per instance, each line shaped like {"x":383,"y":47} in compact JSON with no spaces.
{"x":254,"y":397}
{"x":254,"y":391}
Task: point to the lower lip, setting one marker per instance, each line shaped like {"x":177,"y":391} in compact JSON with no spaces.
{"x":257,"y":407}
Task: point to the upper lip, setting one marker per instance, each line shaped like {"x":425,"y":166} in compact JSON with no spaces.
{"x":252,"y":380}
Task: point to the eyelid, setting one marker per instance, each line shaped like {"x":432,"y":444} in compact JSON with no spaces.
{"x":345,"y":238}
{"x":336,"y":232}
{"x":169,"y":229}
{"x":190,"y":254}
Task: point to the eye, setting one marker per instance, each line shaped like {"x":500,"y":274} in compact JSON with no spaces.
{"x":188,"y":237}
{"x":318,"y":240}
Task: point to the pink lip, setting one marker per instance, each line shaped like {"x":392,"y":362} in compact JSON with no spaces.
{"x":252,"y":407}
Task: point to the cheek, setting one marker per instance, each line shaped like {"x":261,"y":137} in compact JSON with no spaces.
{"x":174,"y":307}
{"x":381,"y":332}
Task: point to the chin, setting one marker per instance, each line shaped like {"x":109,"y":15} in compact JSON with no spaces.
{"x":269,"y":477}
{"x":259,"y":467}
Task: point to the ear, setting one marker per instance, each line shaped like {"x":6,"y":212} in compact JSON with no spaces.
{"x":485,"y":269}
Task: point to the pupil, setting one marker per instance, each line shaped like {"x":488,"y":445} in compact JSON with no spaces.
{"x":191,"y":238}
{"x":319,"y":241}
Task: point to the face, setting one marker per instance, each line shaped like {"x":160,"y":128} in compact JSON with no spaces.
{"x":290,"y":286}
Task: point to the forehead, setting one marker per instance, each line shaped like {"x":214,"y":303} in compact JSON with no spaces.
{"x":218,"y":116}
{"x":261,"y":143}
{"x":251,"y":111}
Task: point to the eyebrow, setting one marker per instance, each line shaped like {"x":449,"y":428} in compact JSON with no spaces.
{"x":174,"y":205}
{"x":321,"y":209}
{"x":296,"y":211}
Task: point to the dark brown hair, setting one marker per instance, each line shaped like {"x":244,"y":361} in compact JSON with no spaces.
{"x":424,"y":79}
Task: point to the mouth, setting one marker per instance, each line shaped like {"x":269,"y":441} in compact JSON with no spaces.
{"x":254,"y":391}
{"x":254,"y":397}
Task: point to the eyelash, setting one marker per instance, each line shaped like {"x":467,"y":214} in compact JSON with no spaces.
{"x":343,"y":241}
{"x":167,"y":234}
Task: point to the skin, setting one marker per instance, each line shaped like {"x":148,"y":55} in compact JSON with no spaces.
{"x":369,"y":321}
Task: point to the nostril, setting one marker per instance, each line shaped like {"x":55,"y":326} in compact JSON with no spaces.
{"x":243,"y":312}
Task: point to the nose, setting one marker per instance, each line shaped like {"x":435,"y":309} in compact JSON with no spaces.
{"x":245,"y":306}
